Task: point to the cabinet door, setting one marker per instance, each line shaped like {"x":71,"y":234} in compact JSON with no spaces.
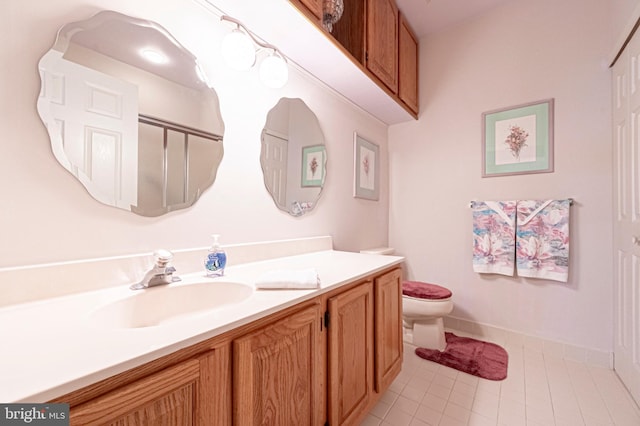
{"x":214,"y":396}
{"x":165,"y":398}
{"x":382,"y":41}
{"x":407,"y":65}
{"x":388,"y":332}
{"x":314,"y":7}
{"x":350,"y":354}
{"x":277,"y":373}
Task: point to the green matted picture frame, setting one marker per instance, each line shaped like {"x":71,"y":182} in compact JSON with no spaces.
{"x":313,"y":165}
{"x":518,"y":140}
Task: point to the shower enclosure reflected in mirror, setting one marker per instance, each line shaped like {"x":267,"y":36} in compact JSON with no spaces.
{"x":130,"y":114}
{"x":293,"y":156}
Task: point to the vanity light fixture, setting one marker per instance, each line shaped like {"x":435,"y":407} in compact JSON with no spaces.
{"x":274,"y":72}
{"x":240,"y":48}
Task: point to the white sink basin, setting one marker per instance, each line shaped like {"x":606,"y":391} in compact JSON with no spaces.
{"x":168,"y":303}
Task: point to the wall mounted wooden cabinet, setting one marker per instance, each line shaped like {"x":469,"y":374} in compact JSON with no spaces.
{"x":382,"y":42}
{"x":407,"y":65}
{"x":313,"y":8}
{"x":328,"y":359}
{"x":350,"y":30}
{"x":377,"y":38}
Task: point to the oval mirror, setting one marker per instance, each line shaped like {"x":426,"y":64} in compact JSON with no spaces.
{"x":130,"y":114}
{"x":293,"y":156}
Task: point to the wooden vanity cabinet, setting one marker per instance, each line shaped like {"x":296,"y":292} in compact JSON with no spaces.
{"x":328,"y":359}
{"x":351,"y":336}
{"x":351,"y":350}
{"x":388,"y":328}
{"x":365,"y":347}
{"x":278,"y":370}
{"x":192,"y":392}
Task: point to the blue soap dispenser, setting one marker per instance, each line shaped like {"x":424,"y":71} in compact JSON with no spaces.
{"x":216,"y":259}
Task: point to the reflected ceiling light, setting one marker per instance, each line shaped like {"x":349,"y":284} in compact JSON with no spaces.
{"x":154,"y":56}
{"x":240,"y":48}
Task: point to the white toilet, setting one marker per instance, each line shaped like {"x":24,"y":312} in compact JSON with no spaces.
{"x":423,"y":307}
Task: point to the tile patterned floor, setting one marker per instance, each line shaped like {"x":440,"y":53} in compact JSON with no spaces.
{"x":540,"y":390}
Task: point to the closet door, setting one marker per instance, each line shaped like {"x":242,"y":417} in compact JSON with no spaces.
{"x":626,"y":137}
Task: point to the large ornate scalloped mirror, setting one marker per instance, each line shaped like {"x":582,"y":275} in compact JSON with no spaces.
{"x":130,"y":114}
{"x":293,"y":156}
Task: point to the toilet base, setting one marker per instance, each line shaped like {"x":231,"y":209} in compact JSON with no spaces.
{"x":425,"y":333}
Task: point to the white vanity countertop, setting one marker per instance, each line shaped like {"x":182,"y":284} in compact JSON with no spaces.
{"x":52,"y":347}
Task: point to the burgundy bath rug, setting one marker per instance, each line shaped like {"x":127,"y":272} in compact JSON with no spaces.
{"x":482,"y":359}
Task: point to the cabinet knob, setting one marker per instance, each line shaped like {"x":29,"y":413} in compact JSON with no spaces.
{"x":636,"y":241}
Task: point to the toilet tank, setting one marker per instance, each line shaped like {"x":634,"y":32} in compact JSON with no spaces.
{"x":378,"y":250}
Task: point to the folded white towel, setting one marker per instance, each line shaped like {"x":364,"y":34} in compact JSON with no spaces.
{"x":289,"y":278}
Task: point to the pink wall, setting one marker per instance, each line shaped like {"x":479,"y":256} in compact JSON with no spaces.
{"x":47,"y":216}
{"x":520,"y":52}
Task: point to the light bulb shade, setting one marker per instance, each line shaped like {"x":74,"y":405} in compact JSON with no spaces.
{"x":274,"y":71}
{"x":238,"y":50}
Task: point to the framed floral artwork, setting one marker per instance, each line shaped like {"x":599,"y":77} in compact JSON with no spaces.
{"x":313,"y":164}
{"x":366,"y":178}
{"x":518,"y":139}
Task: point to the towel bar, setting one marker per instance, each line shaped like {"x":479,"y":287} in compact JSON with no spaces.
{"x":570,"y":202}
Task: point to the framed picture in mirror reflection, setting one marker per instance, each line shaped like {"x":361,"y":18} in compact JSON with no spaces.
{"x":366,"y":169}
{"x":313,"y":165}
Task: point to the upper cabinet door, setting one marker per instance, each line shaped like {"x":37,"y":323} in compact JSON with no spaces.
{"x":382,"y":41}
{"x":312,"y":6}
{"x":407,"y":66}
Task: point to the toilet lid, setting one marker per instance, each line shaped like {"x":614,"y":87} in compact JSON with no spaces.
{"x":422,"y":290}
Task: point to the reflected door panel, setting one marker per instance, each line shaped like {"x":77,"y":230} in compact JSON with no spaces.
{"x":95,"y":113}
{"x":95,"y":88}
{"x":275,"y":166}
{"x":103,"y":151}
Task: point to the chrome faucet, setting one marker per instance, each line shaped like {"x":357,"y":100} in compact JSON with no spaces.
{"x":160,"y":274}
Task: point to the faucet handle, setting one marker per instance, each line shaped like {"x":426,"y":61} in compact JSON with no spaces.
{"x":162,"y":257}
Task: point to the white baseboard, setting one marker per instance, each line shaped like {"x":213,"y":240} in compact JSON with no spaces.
{"x":514,"y":339}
